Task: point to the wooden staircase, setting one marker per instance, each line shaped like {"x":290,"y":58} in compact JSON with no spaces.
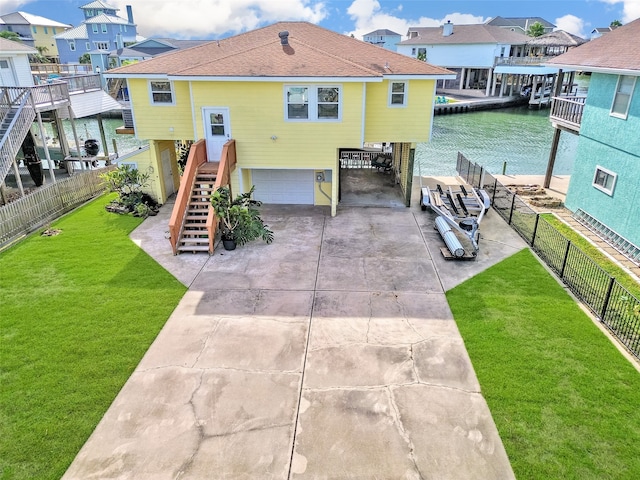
{"x":194,"y":235}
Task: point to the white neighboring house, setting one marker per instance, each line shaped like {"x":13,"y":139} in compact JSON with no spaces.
{"x":485,"y":57}
{"x":15,"y":70}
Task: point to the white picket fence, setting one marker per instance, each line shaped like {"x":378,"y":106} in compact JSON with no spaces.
{"x":47,"y":203}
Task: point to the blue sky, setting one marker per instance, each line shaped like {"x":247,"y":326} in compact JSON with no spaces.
{"x":208,"y":19}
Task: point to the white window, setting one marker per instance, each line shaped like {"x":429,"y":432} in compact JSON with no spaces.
{"x":102,"y":45}
{"x":72,"y":46}
{"x":397,"y":94}
{"x":622,"y":98}
{"x":46,"y":31}
{"x":604,"y":180}
{"x":161,"y":92}
{"x":87,"y":46}
{"x":53,"y":30}
{"x":104,"y":27}
{"x":312,"y":103}
{"x":413,"y":51}
{"x":94,"y":27}
{"x":34,"y":29}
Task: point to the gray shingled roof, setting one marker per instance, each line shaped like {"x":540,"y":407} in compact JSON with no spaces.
{"x":380,"y":32}
{"x":465,"y":34}
{"x":617,"y":50}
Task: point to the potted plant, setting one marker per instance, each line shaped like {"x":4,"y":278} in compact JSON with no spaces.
{"x":239,"y":217}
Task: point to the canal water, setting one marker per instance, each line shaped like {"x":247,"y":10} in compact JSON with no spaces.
{"x":87,"y":128}
{"x":519,"y":136}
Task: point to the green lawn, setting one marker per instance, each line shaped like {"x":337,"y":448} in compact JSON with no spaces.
{"x":564,"y":399}
{"x":77,"y":313}
{"x":595,"y":254}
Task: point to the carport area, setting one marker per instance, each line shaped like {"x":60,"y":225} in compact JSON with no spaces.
{"x":331,"y":353}
{"x":368,"y":187}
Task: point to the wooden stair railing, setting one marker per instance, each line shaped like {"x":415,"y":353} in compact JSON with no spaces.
{"x":197,"y":157}
{"x":227,"y":165}
{"x":192,"y":227}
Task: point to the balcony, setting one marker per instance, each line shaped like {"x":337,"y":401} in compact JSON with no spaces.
{"x":566,"y":112}
{"x":521,"y":61}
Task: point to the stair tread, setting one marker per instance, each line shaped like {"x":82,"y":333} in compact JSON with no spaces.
{"x":193,"y":248}
{"x":194,"y":240}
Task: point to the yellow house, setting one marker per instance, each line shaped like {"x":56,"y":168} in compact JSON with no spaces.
{"x":36,"y":31}
{"x":295,"y":98}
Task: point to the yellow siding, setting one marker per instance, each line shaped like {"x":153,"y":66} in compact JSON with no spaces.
{"x":147,"y":162}
{"x":256,"y":112}
{"x":166,"y":122}
{"x":42,"y":39}
{"x":399,"y":124}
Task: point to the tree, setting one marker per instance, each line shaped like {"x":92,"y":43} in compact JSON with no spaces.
{"x":535,"y":29}
{"x":10,"y":35}
{"x":615,"y":24}
{"x":40,"y":57}
{"x":85,"y":58}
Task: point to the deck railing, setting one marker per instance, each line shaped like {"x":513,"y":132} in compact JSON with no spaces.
{"x":17,"y":112}
{"x":521,"y":60}
{"x":83,"y":83}
{"x":227,"y":165}
{"x":356,"y":158}
{"x":567,"y":111}
{"x":197,"y":157}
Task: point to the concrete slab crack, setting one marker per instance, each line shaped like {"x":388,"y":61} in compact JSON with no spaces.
{"x":186,"y":466}
{"x":397,"y":419}
{"x":205,"y":342}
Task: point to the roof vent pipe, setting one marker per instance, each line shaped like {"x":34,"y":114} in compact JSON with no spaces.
{"x":447,"y":29}
{"x":284,"y":38}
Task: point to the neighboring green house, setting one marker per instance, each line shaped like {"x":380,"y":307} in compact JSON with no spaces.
{"x":604,"y":191}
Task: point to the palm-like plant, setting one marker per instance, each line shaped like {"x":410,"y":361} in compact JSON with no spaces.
{"x":239,"y":217}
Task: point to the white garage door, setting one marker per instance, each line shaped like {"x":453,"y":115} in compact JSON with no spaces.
{"x":284,"y":186}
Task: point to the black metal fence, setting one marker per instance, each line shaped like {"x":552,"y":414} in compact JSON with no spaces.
{"x":613,"y":304}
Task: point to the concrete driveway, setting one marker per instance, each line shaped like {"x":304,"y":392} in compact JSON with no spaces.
{"x":330,"y":354}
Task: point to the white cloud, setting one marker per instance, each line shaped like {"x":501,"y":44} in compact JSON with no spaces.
{"x":571,"y":24}
{"x":367,"y":16}
{"x":10,"y":6}
{"x":630,"y":10}
{"x":200,"y":19}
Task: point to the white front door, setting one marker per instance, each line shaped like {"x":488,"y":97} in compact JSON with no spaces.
{"x":217,"y":131}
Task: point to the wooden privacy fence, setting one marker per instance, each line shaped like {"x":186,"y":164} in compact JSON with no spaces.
{"x":31,"y":212}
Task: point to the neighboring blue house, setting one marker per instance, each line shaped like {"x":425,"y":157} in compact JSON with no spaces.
{"x":604,"y":191}
{"x":384,"y":38}
{"x":101,"y":32}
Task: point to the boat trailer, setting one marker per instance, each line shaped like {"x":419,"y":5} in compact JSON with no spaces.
{"x":460,"y":212}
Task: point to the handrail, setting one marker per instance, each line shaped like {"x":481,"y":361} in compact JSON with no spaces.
{"x":14,"y":135}
{"x":227,"y":165}
{"x":197,"y":157}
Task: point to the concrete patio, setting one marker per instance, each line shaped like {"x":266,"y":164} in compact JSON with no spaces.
{"x":330,"y":354}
